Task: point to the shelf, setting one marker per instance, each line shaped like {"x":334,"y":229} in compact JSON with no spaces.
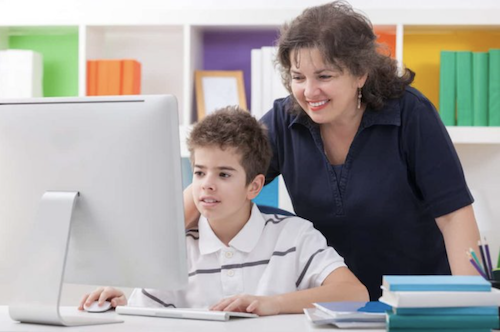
{"x":474,"y":135}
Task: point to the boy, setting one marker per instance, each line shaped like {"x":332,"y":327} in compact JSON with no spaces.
{"x":240,"y":259}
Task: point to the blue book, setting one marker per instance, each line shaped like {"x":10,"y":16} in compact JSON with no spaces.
{"x":436,"y":283}
{"x":442,"y":322}
{"x":364,"y":311}
{"x":479,"y":311}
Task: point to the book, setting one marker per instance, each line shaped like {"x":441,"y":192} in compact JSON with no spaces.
{"x":410,"y":283}
{"x":494,"y":88}
{"x":440,"y":299}
{"x":464,"y":88}
{"x":21,"y":74}
{"x":447,"y":88}
{"x":437,"y":330}
{"x":91,"y":78}
{"x":131,"y":78}
{"x":443,"y":322}
{"x":108,"y":77}
{"x":480,"y":88}
{"x":256,"y":84}
{"x":359,"y":311}
{"x":318,"y":317}
{"x":432,"y":311}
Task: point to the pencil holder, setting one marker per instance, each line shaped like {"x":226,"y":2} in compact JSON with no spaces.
{"x":495,"y":282}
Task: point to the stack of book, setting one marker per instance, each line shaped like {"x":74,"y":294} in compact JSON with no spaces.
{"x":440,"y":303}
{"x":113,"y":77}
{"x":469,"y":88}
{"x":21,"y":74}
{"x":348,"y":314}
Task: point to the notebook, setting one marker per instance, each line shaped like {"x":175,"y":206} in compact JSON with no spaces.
{"x":318,"y":317}
{"x":183,"y":313}
{"x":354,"y":311}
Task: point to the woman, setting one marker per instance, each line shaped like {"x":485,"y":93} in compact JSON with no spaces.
{"x":364,"y":156}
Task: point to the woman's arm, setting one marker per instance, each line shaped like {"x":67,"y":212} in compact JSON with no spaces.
{"x":460,"y":233}
{"x":191,"y":213}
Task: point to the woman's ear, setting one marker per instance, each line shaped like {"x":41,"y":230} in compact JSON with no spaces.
{"x":362,"y":80}
{"x":255,"y":186}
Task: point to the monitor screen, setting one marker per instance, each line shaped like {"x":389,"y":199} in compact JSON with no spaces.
{"x":122,"y":156}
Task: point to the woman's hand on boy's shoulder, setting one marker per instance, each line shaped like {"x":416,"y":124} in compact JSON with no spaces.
{"x":101,"y":294}
{"x":260,"y":305}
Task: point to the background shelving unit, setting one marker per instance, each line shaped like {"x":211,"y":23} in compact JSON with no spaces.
{"x":172,"y":40}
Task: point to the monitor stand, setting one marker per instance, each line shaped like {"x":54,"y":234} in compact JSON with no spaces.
{"x":38,"y":287}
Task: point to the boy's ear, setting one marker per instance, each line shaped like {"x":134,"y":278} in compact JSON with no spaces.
{"x":255,"y":186}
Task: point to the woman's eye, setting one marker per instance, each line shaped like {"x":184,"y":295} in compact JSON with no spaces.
{"x":325,"y":77}
{"x":198,"y":173}
{"x":297,"y":78}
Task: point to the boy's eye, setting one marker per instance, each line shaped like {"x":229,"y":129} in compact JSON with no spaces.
{"x":224,"y":175}
{"x":325,"y":77}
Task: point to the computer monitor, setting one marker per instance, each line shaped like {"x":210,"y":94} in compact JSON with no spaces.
{"x":91,"y":193}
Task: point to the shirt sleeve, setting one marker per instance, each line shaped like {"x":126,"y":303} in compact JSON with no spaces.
{"x":434,"y":167}
{"x":152,"y":298}
{"x":315,"y":259}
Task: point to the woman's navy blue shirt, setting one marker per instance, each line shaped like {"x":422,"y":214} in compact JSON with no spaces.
{"x":400,"y":174}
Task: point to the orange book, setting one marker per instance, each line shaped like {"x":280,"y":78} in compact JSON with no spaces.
{"x":131,"y":77}
{"x":108,"y":77}
{"x":91,"y":78}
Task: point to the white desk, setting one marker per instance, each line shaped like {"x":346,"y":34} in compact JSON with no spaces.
{"x":281,"y":323}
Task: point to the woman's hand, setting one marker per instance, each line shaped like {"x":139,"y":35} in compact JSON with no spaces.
{"x":101,"y":294}
{"x":260,"y":305}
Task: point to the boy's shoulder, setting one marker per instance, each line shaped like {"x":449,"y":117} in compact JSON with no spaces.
{"x":284,"y":221}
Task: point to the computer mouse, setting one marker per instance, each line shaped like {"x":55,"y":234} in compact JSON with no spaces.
{"x":94,"y":307}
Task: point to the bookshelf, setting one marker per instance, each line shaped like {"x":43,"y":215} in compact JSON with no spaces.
{"x":173,"y":39}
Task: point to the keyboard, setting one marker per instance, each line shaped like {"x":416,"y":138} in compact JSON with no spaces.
{"x":183,"y":313}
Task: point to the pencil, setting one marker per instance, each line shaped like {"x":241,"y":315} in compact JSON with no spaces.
{"x":473,"y":262}
{"x":483,"y":259}
{"x":478,"y":263}
{"x":488,"y":257}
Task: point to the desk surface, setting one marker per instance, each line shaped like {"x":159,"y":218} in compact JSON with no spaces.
{"x":288,"y":323}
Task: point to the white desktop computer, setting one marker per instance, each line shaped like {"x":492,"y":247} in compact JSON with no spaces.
{"x":90,"y":193}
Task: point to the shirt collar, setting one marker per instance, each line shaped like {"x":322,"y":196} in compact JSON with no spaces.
{"x":245,"y":240}
{"x":389,"y":115}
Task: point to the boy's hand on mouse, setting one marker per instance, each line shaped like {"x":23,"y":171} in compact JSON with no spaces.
{"x":260,"y":305}
{"x":101,"y":294}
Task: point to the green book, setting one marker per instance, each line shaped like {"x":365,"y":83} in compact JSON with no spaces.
{"x":480,"y":88}
{"x":439,"y":330}
{"x":447,"y":88}
{"x":442,"y":322}
{"x":464,"y":88}
{"x":494,"y":88}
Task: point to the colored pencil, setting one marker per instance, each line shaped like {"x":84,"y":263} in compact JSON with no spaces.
{"x":474,"y":256}
{"x":488,"y":257}
{"x":483,"y":258}
{"x":473,"y":262}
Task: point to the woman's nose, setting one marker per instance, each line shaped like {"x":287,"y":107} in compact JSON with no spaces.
{"x":311,"y":89}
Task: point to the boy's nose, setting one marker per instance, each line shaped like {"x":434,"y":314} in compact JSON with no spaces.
{"x":208,"y":185}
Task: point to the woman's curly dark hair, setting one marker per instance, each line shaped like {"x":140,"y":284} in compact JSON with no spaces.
{"x":346,"y":40}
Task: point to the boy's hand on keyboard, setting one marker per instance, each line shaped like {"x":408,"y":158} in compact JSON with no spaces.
{"x":101,"y":294}
{"x":260,"y":305}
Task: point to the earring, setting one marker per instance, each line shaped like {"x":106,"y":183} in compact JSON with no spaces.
{"x":359,"y":98}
